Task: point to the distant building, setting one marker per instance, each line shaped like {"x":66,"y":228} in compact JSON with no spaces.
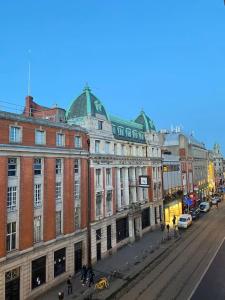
{"x":193,"y":158}
{"x":218,"y":164}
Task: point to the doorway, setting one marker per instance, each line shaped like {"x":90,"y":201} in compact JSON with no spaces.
{"x":77,"y":257}
{"x":12,"y":285}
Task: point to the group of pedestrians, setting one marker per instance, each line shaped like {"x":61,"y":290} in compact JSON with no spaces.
{"x":87,"y":278}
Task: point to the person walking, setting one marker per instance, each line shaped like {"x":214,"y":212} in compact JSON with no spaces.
{"x":174,"y":221}
{"x":60,"y":295}
{"x":162,"y":226}
{"x":91,"y":277}
{"x":69,"y":285}
{"x":83,"y":274}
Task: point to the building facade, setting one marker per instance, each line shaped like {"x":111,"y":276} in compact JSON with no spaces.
{"x":126,"y":178}
{"x":43,"y":232}
{"x":218,"y":164}
{"x":193,"y":158}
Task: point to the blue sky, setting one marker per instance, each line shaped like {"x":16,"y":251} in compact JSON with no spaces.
{"x":167,"y":57}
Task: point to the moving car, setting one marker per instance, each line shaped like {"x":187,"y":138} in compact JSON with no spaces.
{"x":195,"y":213}
{"x":184,"y":221}
{"x":204,"y":206}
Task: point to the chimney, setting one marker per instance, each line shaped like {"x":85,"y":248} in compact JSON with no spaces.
{"x":29,"y":106}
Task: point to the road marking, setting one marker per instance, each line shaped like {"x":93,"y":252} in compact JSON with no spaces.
{"x":206,"y":269}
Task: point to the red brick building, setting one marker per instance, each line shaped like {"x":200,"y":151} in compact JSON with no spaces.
{"x":43,"y":213}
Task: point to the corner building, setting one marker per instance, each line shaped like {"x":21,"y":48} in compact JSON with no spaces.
{"x":43,"y":233}
{"x":126,"y":178}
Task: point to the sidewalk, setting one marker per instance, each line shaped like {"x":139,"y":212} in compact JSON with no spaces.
{"x":126,"y":261}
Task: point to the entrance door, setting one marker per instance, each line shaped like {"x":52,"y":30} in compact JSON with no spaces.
{"x":99,"y":251}
{"x":155,"y":215}
{"x":12,"y":285}
{"x":137,"y":228}
{"x":77,"y":257}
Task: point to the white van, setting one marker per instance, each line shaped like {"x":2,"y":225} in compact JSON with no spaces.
{"x":204,"y":206}
{"x":184,"y":221}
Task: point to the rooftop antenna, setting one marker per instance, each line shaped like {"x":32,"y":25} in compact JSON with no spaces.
{"x":29,"y":69}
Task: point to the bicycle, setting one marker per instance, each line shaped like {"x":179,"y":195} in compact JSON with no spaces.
{"x":102,"y":284}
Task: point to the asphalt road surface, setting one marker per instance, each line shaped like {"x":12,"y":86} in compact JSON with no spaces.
{"x":187,"y":270}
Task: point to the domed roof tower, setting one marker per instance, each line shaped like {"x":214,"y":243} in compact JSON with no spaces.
{"x":147,"y":123}
{"x":86,"y":104}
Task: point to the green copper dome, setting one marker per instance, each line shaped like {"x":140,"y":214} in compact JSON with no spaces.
{"x":144,"y":120}
{"x":86,"y":104}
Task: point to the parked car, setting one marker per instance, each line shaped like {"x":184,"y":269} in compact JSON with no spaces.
{"x":204,"y":206}
{"x":195,"y":213}
{"x":184,"y":221}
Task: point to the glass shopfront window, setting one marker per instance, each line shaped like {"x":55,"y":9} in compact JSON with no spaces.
{"x":59,"y":262}
{"x":38,"y":272}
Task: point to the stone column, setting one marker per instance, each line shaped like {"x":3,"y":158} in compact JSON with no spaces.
{"x":131,"y":229}
{"x":133,"y":183}
{"x":118,"y":189}
{"x":126,"y":186}
{"x":139,"y":189}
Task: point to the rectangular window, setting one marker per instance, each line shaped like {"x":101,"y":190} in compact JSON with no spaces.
{"x":98,"y":234}
{"x":59,"y":262}
{"x":128,"y":132}
{"x":12,"y":167}
{"x":98,"y":178}
{"x":115,"y":149}
{"x":98,"y":204}
{"x":58,"y":192}
{"x":60,"y":139}
{"x":100,"y":125}
{"x":108,"y":177}
{"x":37,"y":166}
{"x":38,"y":272}
{"x":37,"y":195}
{"x":77,"y":190}
{"x":77,"y":142}
{"x":122,"y":150}
{"x":107,"y":147}
{"x":145,"y":218}
{"x":109,"y":237}
{"x":11,"y":200}
{"x":120,"y":131}
{"x":109,"y":201}
{"x":15,"y":134}
{"x":77,"y":218}
{"x":122,"y":229}
{"x":58,"y":166}
{"x":11,"y":236}
{"x":76,"y":166}
{"x":97,"y":146}
{"x":114,"y":129}
{"x":37,"y":229}
{"x":58,"y":223}
{"x":40,"y":137}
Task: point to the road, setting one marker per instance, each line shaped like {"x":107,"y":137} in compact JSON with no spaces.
{"x":178,"y":273}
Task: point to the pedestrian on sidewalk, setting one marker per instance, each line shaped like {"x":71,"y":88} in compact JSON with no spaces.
{"x":168,"y":228}
{"x":91,"y":276}
{"x":61,"y":295}
{"x":69,"y":285}
{"x":162,"y":226}
{"x":174,"y":221}
{"x":83,"y":274}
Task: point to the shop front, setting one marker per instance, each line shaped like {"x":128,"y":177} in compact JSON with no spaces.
{"x":171,"y":209}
